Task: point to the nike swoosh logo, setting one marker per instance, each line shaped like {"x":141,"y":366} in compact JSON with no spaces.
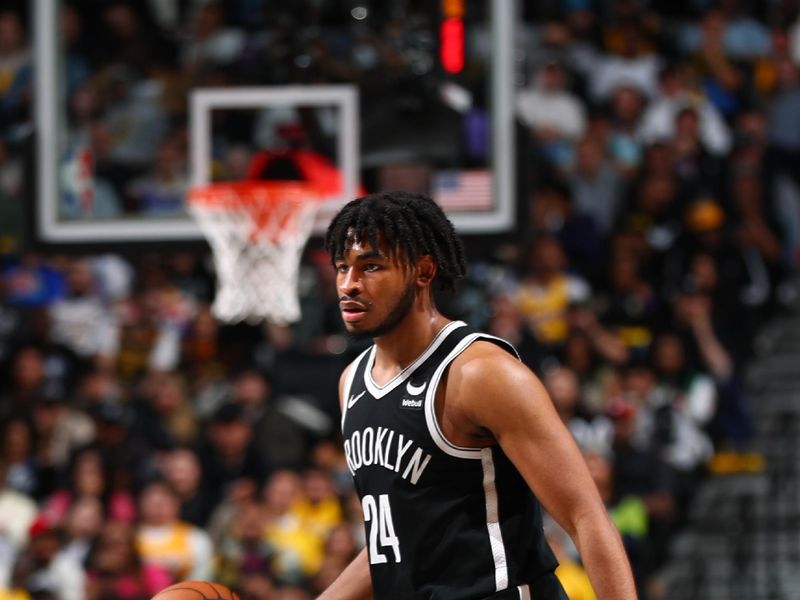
{"x":415,"y":390}
{"x":354,"y":399}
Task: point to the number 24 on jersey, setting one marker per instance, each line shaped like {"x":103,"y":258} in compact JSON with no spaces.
{"x":378,"y":517}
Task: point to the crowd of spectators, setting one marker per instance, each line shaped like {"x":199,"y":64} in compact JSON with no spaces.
{"x":144,"y":442}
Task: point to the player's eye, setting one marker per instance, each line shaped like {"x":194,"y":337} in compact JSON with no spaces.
{"x":341,"y":268}
{"x":371,"y":267}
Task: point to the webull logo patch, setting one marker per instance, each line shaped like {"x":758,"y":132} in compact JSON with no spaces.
{"x":411,"y":403}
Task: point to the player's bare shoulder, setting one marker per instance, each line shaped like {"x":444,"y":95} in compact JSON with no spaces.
{"x":486,"y":379}
{"x":484,"y":366}
{"x":476,"y":383}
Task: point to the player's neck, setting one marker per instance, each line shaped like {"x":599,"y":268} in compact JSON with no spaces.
{"x":402,"y":345}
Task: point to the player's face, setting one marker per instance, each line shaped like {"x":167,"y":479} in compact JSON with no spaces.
{"x":376,"y":290}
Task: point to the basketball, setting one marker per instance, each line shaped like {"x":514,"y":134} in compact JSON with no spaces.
{"x":196,"y":590}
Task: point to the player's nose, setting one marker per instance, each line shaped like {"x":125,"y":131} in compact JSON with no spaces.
{"x":349,"y":283}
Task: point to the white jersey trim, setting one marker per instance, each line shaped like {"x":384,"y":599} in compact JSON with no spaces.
{"x":524,"y":592}
{"x":493,"y":521}
{"x":348,"y":383}
{"x":379,"y":391}
{"x":434,"y":428}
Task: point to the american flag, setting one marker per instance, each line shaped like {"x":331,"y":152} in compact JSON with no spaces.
{"x":457,"y":190}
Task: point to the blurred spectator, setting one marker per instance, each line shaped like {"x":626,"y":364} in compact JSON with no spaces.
{"x":240,"y":494}
{"x":163,"y":191}
{"x":555,"y":117}
{"x":707,"y":233}
{"x":606,"y":344}
{"x":639,"y":471}
{"x":164,"y":415}
{"x":15,"y":73}
{"x":632,"y":307}
{"x":784,"y":137}
{"x":202,"y":354}
{"x":328,"y":456}
{"x":757,"y":236}
{"x":719,"y":77}
{"x":95,"y":387}
{"x":320,"y":331}
{"x":229,"y":453}
{"x":127,"y":37}
{"x":135,"y":119}
{"x":60,"y":429}
{"x":190,"y":274}
{"x":25,"y":376}
{"x":164,"y":539}
{"x":43,"y":566}
{"x":124,"y":454}
{"x":684,"y":405}
{"x":694,"y":315}
{"x":320,"y":508}
{"x":88,"y":477}
{"x":506,"y":321}
{"x":593,"y":433}
{"x":82,"y":320}
{"x":699,"y":172}
{"x":633,"y":63}
{"x":624,"y":148}
{"x":598,"y":379}
{"x":12,"y":190}
{"x":184,"y":472}
{"x":280,"y":439}
{"x":244,"y":550}
{"x":652,"y":220}
{"x":76,"y":64}
{"x":298,"y":550}
{"x":552,"y":210}
{"x":210,"y":42}
{"x":91,"y":179}
{"x":742,"y":36}
{"x":17,"y":513}
{"x":547,"y":290}
{"x":596,"y":185}
{"x":18,"y":454}
{"x":149,"y":338}
{"x":115,"y":570}
{"x":81,"y":527}
{"x":658,"y":121}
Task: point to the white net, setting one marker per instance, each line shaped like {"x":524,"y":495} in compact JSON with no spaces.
{"x":257,"y":233}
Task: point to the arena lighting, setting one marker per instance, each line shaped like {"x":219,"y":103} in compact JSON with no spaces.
{"x":453,"y":8}
{"x":359,"y":13}
{"x":451,"y":45}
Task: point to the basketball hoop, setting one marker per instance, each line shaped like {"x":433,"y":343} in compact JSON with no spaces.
{"x":257,"y":231}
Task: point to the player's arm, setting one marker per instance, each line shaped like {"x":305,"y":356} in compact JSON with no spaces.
{"x":354,"y":583}
{"x":491,"y":390}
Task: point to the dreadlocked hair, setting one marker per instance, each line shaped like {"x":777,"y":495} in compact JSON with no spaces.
{"x":412,"y":225}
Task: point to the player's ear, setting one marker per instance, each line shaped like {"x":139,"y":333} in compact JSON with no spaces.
{"x":426,"y":270}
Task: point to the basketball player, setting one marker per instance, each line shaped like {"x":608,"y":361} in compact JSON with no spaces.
{"x":449,"y":437}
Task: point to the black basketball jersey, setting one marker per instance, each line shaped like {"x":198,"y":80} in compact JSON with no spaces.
{"x":442,"y":521}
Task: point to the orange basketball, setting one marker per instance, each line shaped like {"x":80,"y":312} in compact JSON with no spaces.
{"x":196,"y":590}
